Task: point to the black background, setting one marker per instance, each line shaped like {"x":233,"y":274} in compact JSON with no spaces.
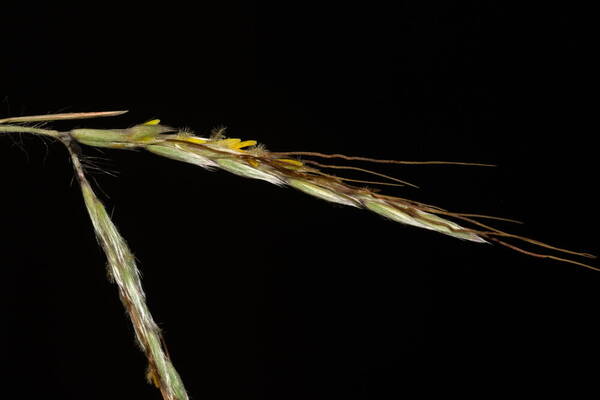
{"x":264,"y":292}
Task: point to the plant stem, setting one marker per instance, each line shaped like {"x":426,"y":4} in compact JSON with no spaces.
{"x":27,"y":129}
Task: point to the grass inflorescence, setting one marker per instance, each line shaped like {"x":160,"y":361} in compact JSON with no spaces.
{"x":248,"y":159}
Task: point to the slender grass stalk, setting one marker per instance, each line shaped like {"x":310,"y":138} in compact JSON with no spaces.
{"x":249,"y":160}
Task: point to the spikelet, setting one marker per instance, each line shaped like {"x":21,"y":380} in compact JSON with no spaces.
{"x":248,"y":159}
{"x":125,"y":274}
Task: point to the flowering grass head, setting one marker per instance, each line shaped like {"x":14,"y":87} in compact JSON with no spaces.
{"x":248,"y":159}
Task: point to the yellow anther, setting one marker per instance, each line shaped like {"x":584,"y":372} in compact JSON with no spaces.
{"x":235,"y":144}
{"x":253,"y":162}
{"x":227,"y":142}
{"x":245,"y":143}
{"x":152,"y":122}
{"x":291,"y":161}
{"x":192,"y":139}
